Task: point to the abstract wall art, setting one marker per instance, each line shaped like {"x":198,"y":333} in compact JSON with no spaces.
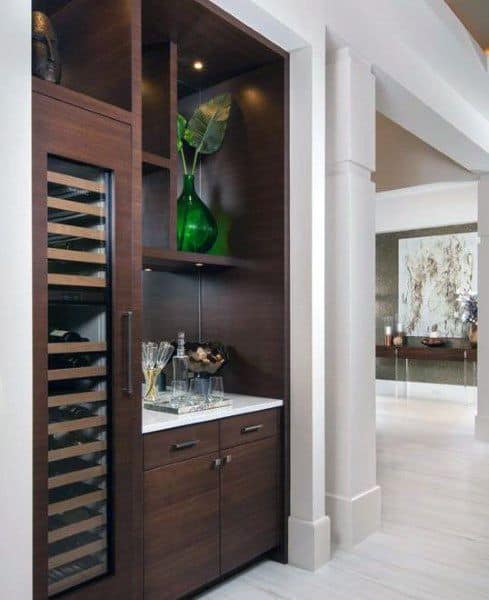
{"x":431,"y":271}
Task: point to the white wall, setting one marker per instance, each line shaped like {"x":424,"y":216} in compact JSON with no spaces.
{"x":403,"y":160}
{"x":423,"y":206}
{"x":15,"y":305}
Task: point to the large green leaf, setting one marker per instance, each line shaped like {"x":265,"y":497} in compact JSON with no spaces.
{"x":206,"y":128}
{"x":181,"y":127}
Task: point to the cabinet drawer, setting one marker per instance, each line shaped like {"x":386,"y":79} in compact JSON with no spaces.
{"x":165,"y":447}
{"x":249,"y":427}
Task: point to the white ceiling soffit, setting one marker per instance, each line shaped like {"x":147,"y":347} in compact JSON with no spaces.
{"x":415,"y":115}
{"x":423,"y":206}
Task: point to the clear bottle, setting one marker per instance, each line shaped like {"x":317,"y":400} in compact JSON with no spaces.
{"x":180,"y":360}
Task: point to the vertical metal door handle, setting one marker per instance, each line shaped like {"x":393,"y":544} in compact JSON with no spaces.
{"x":129,"y":387}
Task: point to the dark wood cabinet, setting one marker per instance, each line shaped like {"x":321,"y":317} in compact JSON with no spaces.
{"x":181,"y":522}
{"x":208,"y":515}
{"x":105,"y":189}
{"x":249,"y":502}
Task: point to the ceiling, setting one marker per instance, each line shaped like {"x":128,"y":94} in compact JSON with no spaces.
{"x":474,"y":14}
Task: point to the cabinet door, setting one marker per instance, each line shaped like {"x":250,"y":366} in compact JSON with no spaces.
{"x":181,"y":527}
{"x":87,"y":436}
{"x":250,"y":508}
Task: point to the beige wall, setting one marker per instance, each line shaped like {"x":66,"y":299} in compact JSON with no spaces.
{"x":403,"y":160}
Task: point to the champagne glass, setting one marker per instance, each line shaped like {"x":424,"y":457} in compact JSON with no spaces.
{"x":155,"y":357}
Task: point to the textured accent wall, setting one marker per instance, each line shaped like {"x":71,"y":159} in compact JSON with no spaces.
{"x":387,"y":281}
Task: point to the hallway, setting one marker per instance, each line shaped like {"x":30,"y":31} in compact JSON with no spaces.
{"x":434,"y":542}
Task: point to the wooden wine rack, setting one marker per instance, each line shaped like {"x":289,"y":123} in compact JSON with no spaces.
{"x":78,"y":212}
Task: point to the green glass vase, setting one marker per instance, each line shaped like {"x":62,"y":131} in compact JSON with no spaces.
{"x":196,"y":226}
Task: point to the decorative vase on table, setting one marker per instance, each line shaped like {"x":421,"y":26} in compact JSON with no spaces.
{"x":196,"y":226}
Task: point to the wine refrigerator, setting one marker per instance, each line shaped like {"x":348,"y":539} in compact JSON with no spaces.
{"x":86,"y":413}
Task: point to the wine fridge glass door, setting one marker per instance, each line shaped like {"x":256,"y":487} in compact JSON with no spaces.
{"x":79,"y":200}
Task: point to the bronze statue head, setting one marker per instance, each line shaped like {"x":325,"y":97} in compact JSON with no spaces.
{"x":46,"y":61}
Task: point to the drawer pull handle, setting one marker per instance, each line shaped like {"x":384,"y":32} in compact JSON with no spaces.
{"x":251,"y":428}
{"x":185,"y":445}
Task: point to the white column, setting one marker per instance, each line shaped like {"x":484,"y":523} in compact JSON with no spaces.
{"x":482,"y":417}
{"x":16,"y":304}
{"x":353,"y":500}
{"x":309,"y":528}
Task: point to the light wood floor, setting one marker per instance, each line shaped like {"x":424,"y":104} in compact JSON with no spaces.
{"x":434,"y":541}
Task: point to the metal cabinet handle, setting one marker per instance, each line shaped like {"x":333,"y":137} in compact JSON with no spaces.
{"x":217,"y":463}
{"x":227,"y":459}
{"x":129,"y":387}
{"x":185,"y":445}
{"x":251,"y":428}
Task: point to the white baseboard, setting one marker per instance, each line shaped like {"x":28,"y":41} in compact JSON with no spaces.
{"x":309,"y":543}
{"x":481,"y":428}
{"x":428,"y":391}
{"x":354,"y":519}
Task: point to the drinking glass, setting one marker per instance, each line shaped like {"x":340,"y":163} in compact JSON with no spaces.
{"x":179,"y":391}
{"x":216,"y":389}
{"x":198,"y":390}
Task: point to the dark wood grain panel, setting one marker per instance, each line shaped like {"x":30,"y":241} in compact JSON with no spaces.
{"x":182,"y":443}
{"x":181,"y":525}
{"x":156,"y":97}
{"x":95,"y":44}
{"x":205,"y":32}
{"x":249,"y":502}
{"x":170,"y":304}
{"x":156,"y":208}
{"x":245,"y":308}
{"x":243,"y":429}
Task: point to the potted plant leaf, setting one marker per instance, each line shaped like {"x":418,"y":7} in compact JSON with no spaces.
{"x":204,"y":133}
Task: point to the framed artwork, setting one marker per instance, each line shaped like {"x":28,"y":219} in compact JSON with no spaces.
{"x":431,"y":272}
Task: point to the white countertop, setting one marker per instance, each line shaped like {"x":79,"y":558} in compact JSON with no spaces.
{"x":158,"y":421}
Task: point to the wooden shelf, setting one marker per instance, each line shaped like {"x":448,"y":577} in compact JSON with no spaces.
{"x":157,"y":161}
{"x":83,"y":208}
{"x":77,"y":232}
{"x":79,"y":398}
{"x":63,"y":94}
{"x":84,"y":500}
{"x":78,"y":450}
{"x":86,"y":525}
{"x":76,"y":280}
{"x":96,"y":258}
{"x":76,"y":182}
{"x":75,"y":476}
{"x":76,"y":347}
{"x":67,"y":557}
{"x":76,"y":424}
{"x":77,"y":579}
{"x":175,"y":261}
{"x":77,"y":373}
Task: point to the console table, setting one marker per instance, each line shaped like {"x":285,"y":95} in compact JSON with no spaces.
{"x":465,"y":354}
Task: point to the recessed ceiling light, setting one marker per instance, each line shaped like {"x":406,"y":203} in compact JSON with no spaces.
{"x":148,"y":270}
{"x":198,"y":65}
{"x":199,"y":265}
